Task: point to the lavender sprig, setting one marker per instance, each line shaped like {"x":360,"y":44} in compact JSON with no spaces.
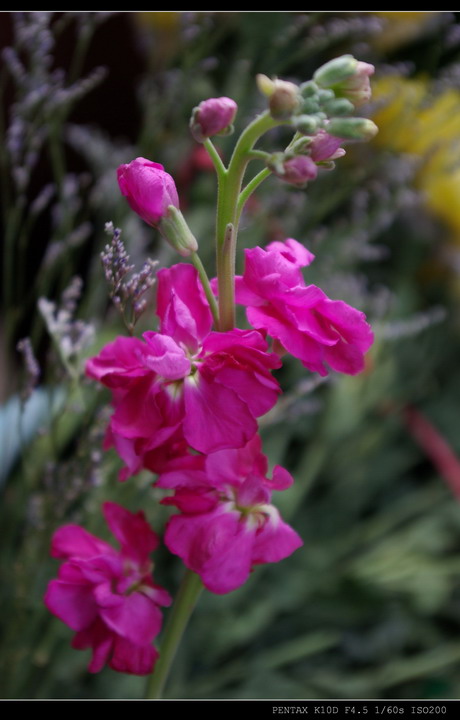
{"x":126,"y":293}
{"x":71,"y":336}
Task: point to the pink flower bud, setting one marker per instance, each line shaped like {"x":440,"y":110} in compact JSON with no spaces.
{"x":297,"y":170}
{"x":325,"y":147}
{"x":357,"y":88}
{"x":213,"y":117}
{"x":148,"y":189}
{"x":347,"y":77}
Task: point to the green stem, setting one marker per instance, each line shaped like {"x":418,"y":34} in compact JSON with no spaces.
{"x":196,"y":261}
{"x":258,"y":155}
{"x":215,"y":157}
{"x":249,"y":189}
{"x":183,"y":607}
{"x":227,"y":213}
{"x":227,"y":280}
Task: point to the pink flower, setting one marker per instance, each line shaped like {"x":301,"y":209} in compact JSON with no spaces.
{"x":212,"y":117}
{"x":227,"y":524}
{"x":207,"y":387}
{"x":106,"y":596}
{"x":148,"y":189}
{"x":302,"y":319}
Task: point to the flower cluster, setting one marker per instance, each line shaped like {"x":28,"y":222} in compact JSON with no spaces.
{"x":227,"y":524}
{"x":107,"y":597}
{"x":180,"y":380}
{"x":187,"y":396}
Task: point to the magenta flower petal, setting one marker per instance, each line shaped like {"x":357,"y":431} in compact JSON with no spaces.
{"x":138,"y":414}
{"x":133,"y":659}
{"x":72,"y":603}
{"x":275,"y":542}
{"x":293,"y":251}
{"x":345,"y":358}
{"x":165,"y":357}
{"x":181,"y":305}
{"x":216,"y":546}
{"x":248,"y":388}
{"x":192,"y":501}
{"x":118,"y":363}
{"x":137,"y":618}
{"x":348,"y":322}
{"x":74,"y":541}
{"x":136,"y":537}
{"x":281,"y":479}
{"x":100,"y":569}
{"x":206,"y":426}
{"x":100,"y":639}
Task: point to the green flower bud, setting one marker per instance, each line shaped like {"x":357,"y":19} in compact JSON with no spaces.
{"x":310,"y":106}
{"x":307,"y":124}
{"x":335,"y":71}
{"x":308,"y":89}
{"x":325,"y":95}
{"x":352,"y":128}
{"x":338,"y":107}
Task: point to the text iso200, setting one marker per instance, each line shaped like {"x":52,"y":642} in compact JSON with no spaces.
{"x":428,"y":709}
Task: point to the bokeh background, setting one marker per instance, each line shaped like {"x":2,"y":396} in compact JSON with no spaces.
{"x":370,"y":606}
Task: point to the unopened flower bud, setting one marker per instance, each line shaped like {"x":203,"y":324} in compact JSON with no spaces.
{"x":284,"y":97}
{"x":297,"y":170}
{"x":310,"y":106}
{"x":353,"y":128}
{"x":325,"y":147}
{"x":175,"y":230}
{"x":306,"y":124}
{"x":335,"y":71}
{"x":148,"y":189}
{"x":213,"y":117}
{"x":324,"y":96}
{"x":348,"y":78}
{"x":308,"y":89}
{"x":357,"y":88}
{"x":265,"y":85}
{"x":151,"y":193}
{"x":338,"y":107}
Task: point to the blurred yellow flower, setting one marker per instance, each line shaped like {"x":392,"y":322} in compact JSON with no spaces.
{"x":414,"y":120}
{"x":160,"y":20}
{"x":401,"y":27}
